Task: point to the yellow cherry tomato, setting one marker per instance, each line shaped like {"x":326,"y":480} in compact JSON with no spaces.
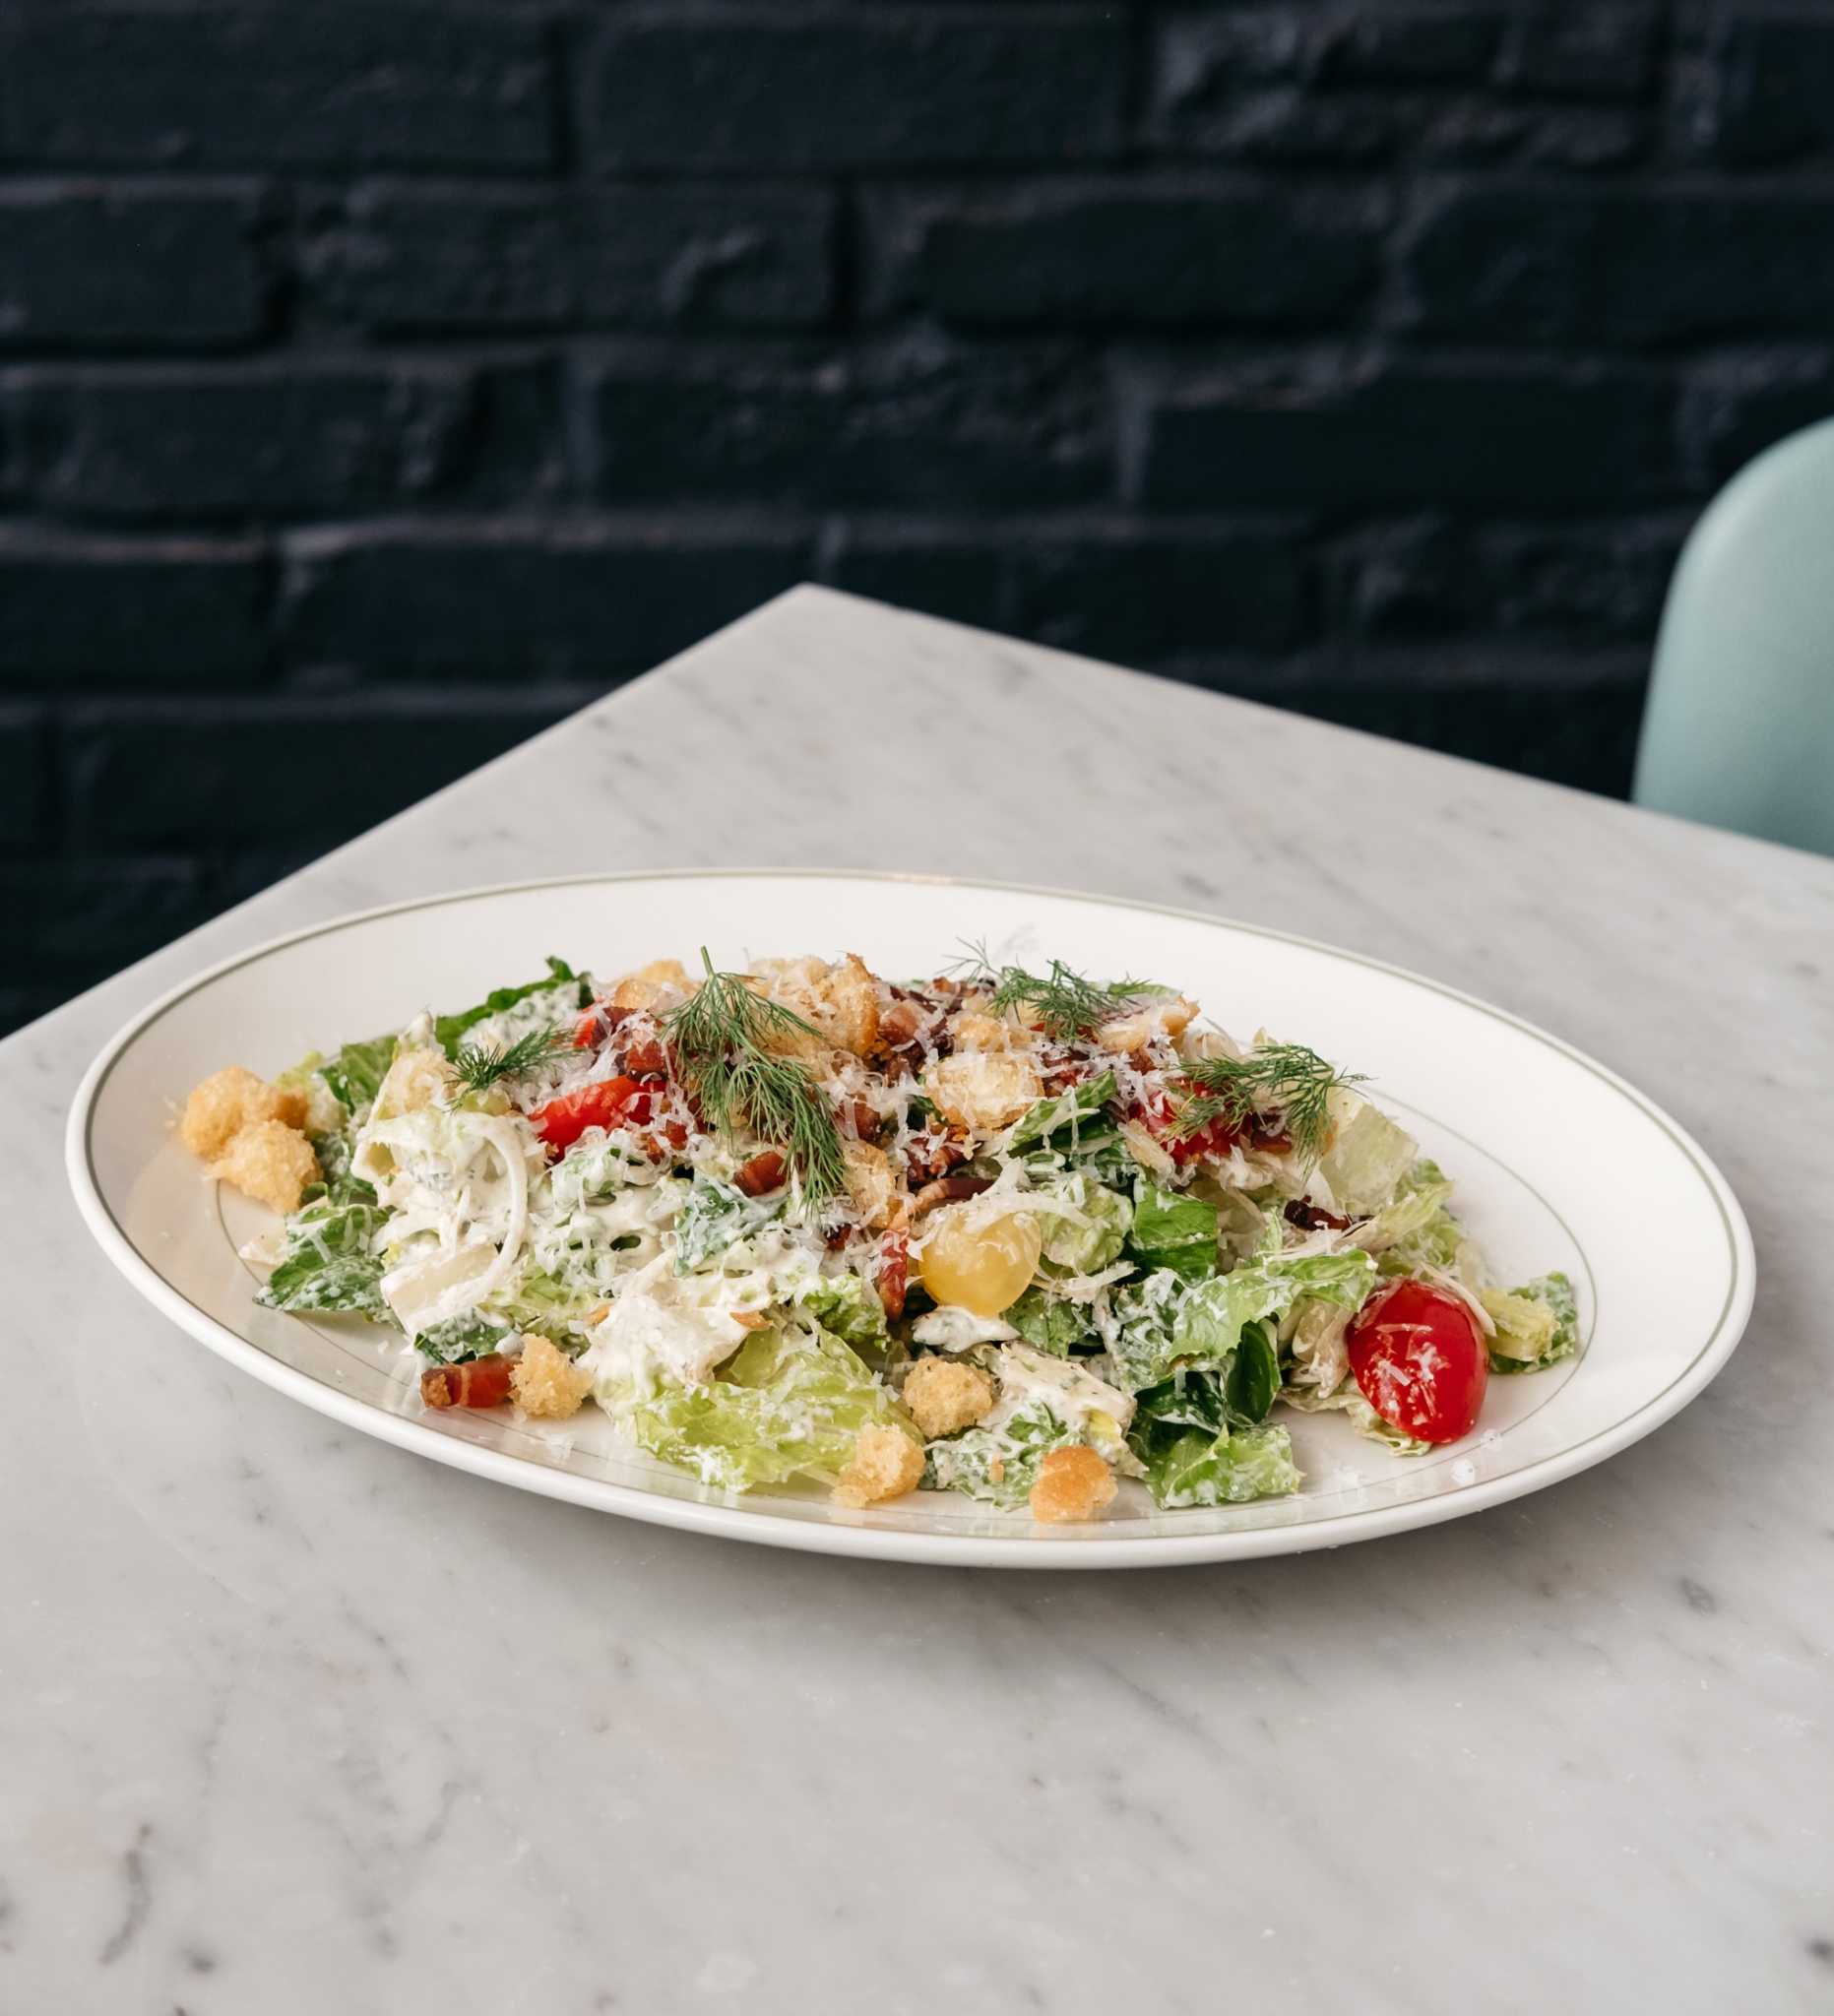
{"x":984,"y":1267}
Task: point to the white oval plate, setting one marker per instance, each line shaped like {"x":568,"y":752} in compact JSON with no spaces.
{"x":1559,"y":1163}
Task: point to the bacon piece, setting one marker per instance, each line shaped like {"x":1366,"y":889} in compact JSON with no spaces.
{"x":932,"y":1154}
{"x":948,"y":1190}
{"x":1310,"y":1217}
{"x":477,"y":1382}
{"x":762,"y":1173}
{"x":893,"y":1270}
{"x":858,"y":1120}
{"x":645,"y":1056}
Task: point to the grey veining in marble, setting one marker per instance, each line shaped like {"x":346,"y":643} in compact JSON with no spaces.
{"x":293,"y":1721}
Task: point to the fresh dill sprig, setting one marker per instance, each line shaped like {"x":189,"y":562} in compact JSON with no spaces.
{"x":720,"y":1039}
{"x":1065,"y":1002}
{"x":481,"y":1066}
{"x":1286,"y":1079}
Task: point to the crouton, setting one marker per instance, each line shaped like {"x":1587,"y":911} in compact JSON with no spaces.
{"x":871,"y":1183}
{"x":271,"y":1163}
{"x":841,"y":1001}
{"x":227,"y":1102}
{"x":1072,"y":1483}
{"x":942,"y":1394}
{"x":1145,"y":1024}
{"x":984,"y":1089}
{"x":418,"y":1079}
{"x":547,"y":1383}
{"x":974,"y":1030}
{"x":886,"y":1464}
{"x":647,"y":986}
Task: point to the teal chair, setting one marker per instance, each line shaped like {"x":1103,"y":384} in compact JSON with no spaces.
{"x":1739,"y":726}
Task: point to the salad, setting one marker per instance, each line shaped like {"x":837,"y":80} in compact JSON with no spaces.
{"x":1015,"y":1234}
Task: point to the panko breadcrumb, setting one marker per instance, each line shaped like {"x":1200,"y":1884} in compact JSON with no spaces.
{"x":1072,"y":1483}
{"x":547,"y":1383}
{"x":942,"y":1394}
{"x":269,"y":1162}
{"x":886,"y":1464}
{"x":230,"y":1099}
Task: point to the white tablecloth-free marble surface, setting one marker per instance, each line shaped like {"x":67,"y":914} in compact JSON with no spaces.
{"x":291,"y":1721}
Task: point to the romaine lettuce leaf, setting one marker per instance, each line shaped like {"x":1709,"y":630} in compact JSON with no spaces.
{"x":1072,"y":1121}
{"x":848,"y":1307}
{"x":714,"y":1216}
{"x":1229,"y":1466}
{"x":790,"y":1403}
{"x":1197,"y":1435}
{"x":1369,"y":1157}
{"x":470,"y":1336}
{"x":329,"y":1265}
{"x":998,"y":1464}
{"x":449,"y":1030}
{"x":1201,"y":1323}
{"x":1536,"y":1325}
{"x":1072,"y":1248}
{"x":1050,"y":1323}
{"x":1173,"y":1228}
{"x":356,"y":1072}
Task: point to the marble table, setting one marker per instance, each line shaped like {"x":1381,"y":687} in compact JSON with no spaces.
{"x":294,"y":1721}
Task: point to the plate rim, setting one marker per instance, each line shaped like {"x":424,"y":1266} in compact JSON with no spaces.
{"x":854,"y":1536}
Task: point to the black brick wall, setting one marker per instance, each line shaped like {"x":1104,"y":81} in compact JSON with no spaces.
{"x":380,"y":379}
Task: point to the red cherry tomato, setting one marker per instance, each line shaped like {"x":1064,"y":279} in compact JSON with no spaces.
{"x":1419,"y":1360}
{"x":562,"y":1121}
{"x":1215,"y":1138}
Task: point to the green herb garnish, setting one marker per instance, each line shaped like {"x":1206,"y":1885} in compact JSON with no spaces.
{"x":481,"y":1066}
{"x":719,"y":1039}
{"x":1065,"y":1002}
{"x":1286,"y":1079}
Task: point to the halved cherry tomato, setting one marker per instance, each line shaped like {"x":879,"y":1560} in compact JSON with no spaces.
{"x":562,"y":1121}
{"x":1419,"y":1360}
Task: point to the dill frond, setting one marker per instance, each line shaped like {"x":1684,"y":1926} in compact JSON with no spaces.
{"x":1277,"y":1079}
{"x":481,"y":1066}
{"x":1065,"y":1002}
{"x":720,"y":1039}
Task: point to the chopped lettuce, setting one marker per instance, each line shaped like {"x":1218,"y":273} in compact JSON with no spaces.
{"x":1071,"y":1123}
{"x":1415,"y":1231}
{"x":330,"y":1262}
{"x":1227,"y":1469}
{"x":336,"y":1181}
{"x":714,"y":1216}
{"x":470,"y":1336}
{"x":1369,"y":1157}
{"x":1093,"y":1238}
{"x":1051,"y":1323}
{"x":849,"y":1308}
{"x":1174,"y":1230}
{"x":1139,"y":1330}
{"x":356,"y":1072}
{"x":999,"y":1464}
{"x":1201,"y":1323}
{"x":1251,"y":1383}
{"x":1318,"y":1338}
{"x":790,"y":1403}
{"x":1536,"y":1325}
{"x":449,"y":1030}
